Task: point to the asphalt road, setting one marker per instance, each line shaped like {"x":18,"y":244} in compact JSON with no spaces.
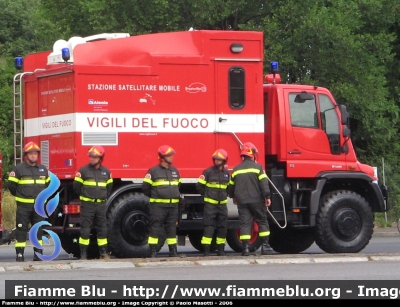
{"x":378,"y":244}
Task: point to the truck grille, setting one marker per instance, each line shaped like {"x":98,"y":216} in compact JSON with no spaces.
{"x":99,"y":138}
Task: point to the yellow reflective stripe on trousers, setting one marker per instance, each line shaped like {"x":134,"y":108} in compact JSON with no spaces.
{"x":13,"y":179}
{"x":78,"y":179}
{"x":245,"y":237}
{"x":91,"y":199}
{"x":264,"y":233}
{"x":220,"y":240}
{"x":215,"y":202}
{"x":217,"y":186}
{"x":94,"y":183}
{"x":19,"y":244}
{"x":84,"y":241}
{"x":246,"y":171}
{"x":160,"y":183}
{"x":171,"y":241}
{"x":32,"y":181}
{"x":164,"y":201}
{"x":25,"y":200}
{"x":101,"y":242}
{"x":152,"y":241}
{"x":206,"y":240}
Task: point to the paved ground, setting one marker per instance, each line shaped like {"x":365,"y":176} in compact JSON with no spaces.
{"x":184,"y":260}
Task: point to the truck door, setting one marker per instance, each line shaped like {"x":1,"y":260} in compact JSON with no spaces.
{"x":239,"y":113}
{"x":313,"y":138}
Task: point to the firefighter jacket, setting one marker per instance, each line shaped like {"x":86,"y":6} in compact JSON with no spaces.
{"x":213,"y":184}
{"x":93,"y":184}
{"x":162,"y":184}
{"x":25,"y":182}
{"x":249,"y":183}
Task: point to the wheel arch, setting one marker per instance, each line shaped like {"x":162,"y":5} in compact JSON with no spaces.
{"x":357,"y":182}
{"x":127,"y":188}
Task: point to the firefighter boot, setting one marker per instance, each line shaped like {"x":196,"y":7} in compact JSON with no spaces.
{"x":84,"y":249}
{"x":206,"y":250}
{"x":153,"y":251}
{"x":39,"y":251}
{"x":20,"y":254}
{"x":221,"y":250}
{"x":265,"y":247}
{"x":173,"y":252}
{"x":245,"y":248}
{"x":104,"y":252}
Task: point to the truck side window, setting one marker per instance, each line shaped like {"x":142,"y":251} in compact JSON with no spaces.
{"x":236,"y":87}
{"x":330,"y":122}
{"x":303,"y":114}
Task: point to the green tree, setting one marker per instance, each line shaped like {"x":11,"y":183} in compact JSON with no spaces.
{"x":6,"y":111}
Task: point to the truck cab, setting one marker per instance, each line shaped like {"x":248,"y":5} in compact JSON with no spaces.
{"x":322,"y":192}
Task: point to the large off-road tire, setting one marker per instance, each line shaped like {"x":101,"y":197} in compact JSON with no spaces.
{"x":232,"y":237}
{"x":195,"y":240}
{"x":70,"y":244}
{"x":344,"y":222}
{"x":290,"y":240}
{"x":128,"y":227}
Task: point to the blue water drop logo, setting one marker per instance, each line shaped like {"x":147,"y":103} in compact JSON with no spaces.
{"x":45,"y":208}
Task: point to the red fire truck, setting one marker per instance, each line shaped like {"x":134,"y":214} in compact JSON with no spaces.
{"x":195,"y":91}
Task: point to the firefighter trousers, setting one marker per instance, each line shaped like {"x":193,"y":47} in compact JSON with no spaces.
{"x":248,"y":213}
{"x":93,"y":215}
{"x":26,"y":215}
{"x":162,"y":216}
{"x":215,"y":219}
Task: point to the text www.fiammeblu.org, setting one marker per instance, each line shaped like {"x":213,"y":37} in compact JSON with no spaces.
{"x":228,"y":292}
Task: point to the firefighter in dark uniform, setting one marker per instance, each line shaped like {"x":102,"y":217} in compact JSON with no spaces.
{"x":213,"y":184}
{"x":93,"y":183}
{"x":25,"y":182}
{"x":249,"y":189}
{"x":161,"y":184}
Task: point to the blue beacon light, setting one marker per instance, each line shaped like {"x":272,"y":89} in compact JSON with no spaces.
{"x":65,"y":54}
{"x":274,"y":67}
{"x":18,"y":62}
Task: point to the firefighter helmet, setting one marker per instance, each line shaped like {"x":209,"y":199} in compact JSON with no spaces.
{"x":220,"y":154}
{"x":31,"y":147}
{"x":96,"y":151}
{"x":248,"y":149}
{"x":165,"y":150}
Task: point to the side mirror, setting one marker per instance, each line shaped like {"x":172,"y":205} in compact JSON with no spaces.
{"x":346,"y":132}
{"x":302,"y":97}
{"x":345,"y":114}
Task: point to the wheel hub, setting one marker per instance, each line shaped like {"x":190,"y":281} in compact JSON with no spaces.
{"x":347,"y":223}
{"x":135,"y":227}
